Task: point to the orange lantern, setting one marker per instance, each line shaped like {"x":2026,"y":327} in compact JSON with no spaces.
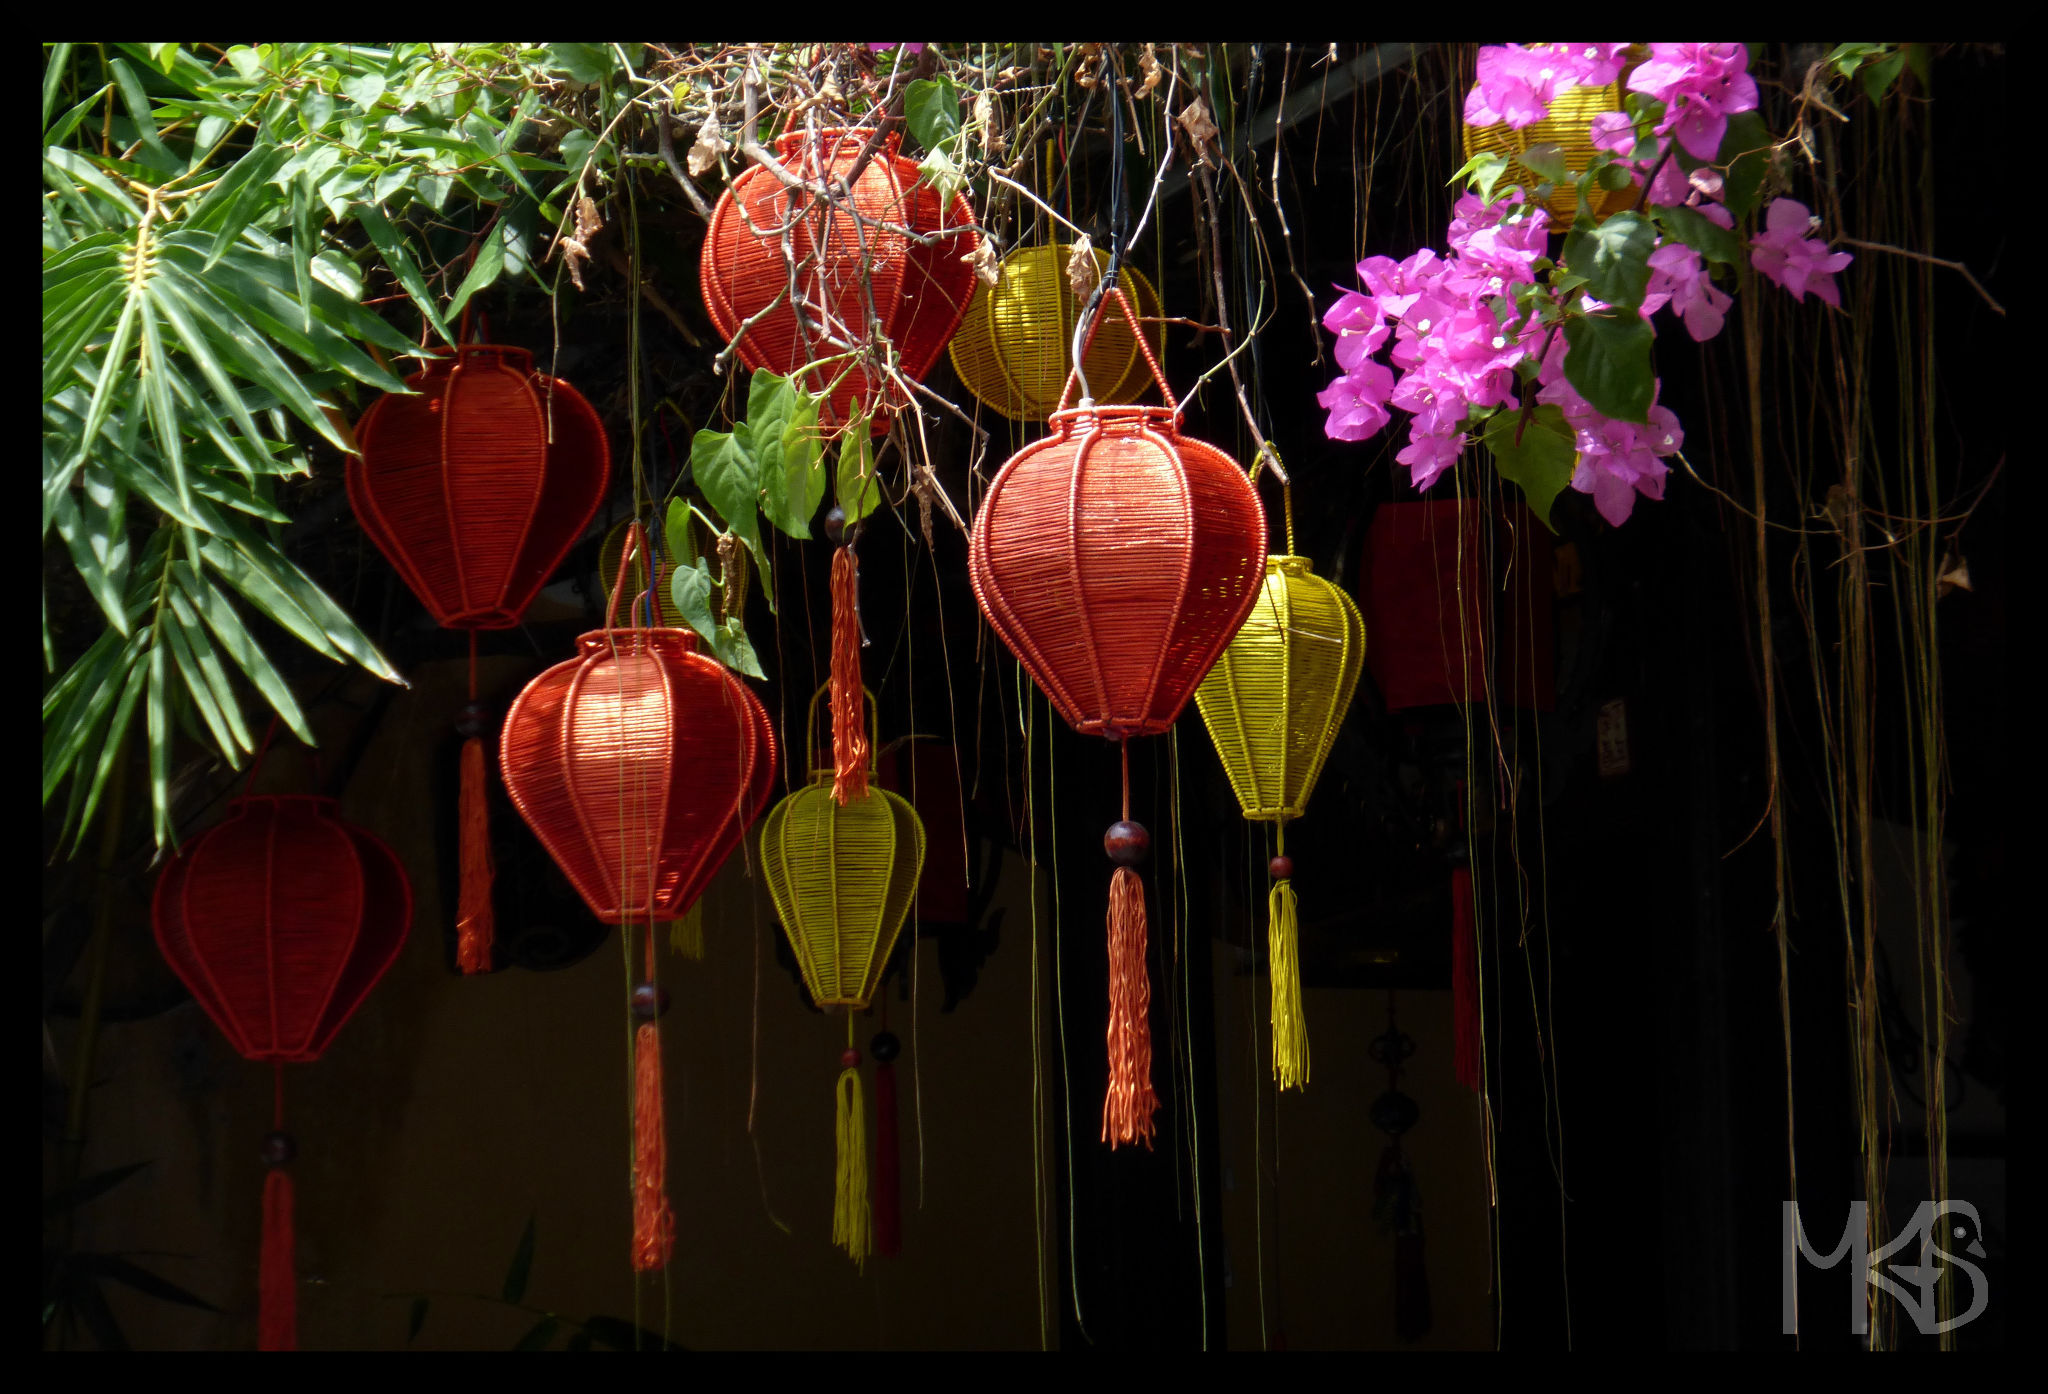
{"x":788,"y":300}
{"x":1115,"y":558}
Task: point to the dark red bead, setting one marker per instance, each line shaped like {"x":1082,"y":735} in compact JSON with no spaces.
{"x":849,"y":1058}
{"x":1127,"y":843}
{"x":1280,"y":868}
{"x":471,"y":720}
{"x":650,"y":1001}
{"x":835,"y":522}
{"x":279,"y":1148}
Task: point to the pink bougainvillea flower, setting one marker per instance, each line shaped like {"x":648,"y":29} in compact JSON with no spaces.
{"x":1678,"y":275}
{"x":1515,"y":85}
{"x":1701,"y":86}
{"x":1614,"y":131}
{"x":912,"y":49}
{"x":1396,"y":284}
{"x":1357,"y":402}
{"x":1428,"y":454}
{"x":1784,"y":253}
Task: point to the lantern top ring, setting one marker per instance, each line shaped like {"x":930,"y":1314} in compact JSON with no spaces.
{"x":1087,"y":411}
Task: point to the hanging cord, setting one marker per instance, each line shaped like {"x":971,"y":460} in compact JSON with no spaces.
{"x":277,"y":1296}
{"x":475,"y":920}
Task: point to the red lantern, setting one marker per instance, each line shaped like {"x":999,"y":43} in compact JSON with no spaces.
{"x":1116,"y":558}
{"x":847,"y":259}
{"x":280,"y":919}
{"x":475,"y":489}
{"x":639,"y":764}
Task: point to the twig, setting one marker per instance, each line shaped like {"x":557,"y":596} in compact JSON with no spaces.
{"x":663,"y":114}
{"x":1931,"y":261}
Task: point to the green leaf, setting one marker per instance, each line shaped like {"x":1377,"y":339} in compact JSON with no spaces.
{"x":1608,"y":361}
{"x":159,"y":739}
{"x":395,"y":255}
{"x":415,"y":1318}
{"x":794,"y":481}
{"x":1704,"y":236}
{"x":55,"y":67}
{"x":1542,"y":463}
{"x":1614,"y":257}
{"x":1746,"y":155}
{"x":858,"y":490}
{"x":931,"y":109}
{"x":522,"y":1265}
{"x":306,"y":220}
{"x":689,"y":590}
{"x":586,"y":63}
{"x":678,"y":538}
{"x":484,"y":271}
{"x":944,"y":175}
{"x":234,"y":636}
{"x":365,"y":89}
{"x":733,"y":649}
{"x":1483,"y":172}
{"x":1879,"y":75}
{"x":539,"y":1335}
{"x":88,"y":1188}
{"x":1546,"y":162}
{"x":141,"y":1279}
{"x":724,"y":470}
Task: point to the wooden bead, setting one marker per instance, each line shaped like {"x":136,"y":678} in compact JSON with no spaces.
{"x":849,"y":1058}
{"x":471,"y":720}
{"x":1127,"y":843}
{"x":1280,"y":868}
{"x":650,"y":1001}
{"x":279,"y":1148}
{"x":835,"y":522}
{"x":885,"y":1047}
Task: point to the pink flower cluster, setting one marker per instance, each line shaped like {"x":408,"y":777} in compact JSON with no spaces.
{"x":1617,"y":459}
{"x":1783,"y":252}
{"x":1518,"y":83}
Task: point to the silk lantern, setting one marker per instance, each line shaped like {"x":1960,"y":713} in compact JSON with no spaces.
{"x":842,"y":876}
{"x":1273,"y":704}
{"x":474,"y":487}
{"x":1014,"y":349}
{"x":1569,"y":128}
{"x":280,"y":919}
{"x":790,"y":277}
{"x":639,"y":764}
{"x":1115,"y":558}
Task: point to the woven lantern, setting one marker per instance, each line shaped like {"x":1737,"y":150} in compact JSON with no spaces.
{"x":639,"y":764}
{"x":1273,"y":703}
{"x":1014,"y":350}
{"x":1115,"y":558}
{"x":843,"y":876}
{"x":1569,"y":127}
{"x":846,"y":260}
{"x":475,"y":487}
{"x":280,"y":919}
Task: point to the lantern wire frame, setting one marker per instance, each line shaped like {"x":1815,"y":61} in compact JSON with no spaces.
{"x":1569,"y":128}
{"x":1014,"y":348}
{"x":842,"y":876}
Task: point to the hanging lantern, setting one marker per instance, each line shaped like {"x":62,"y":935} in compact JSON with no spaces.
{"x":475,"y":487}
{"x":1273,"y":703}
{"x":1569,"y":128}
{"x":639,"y":764}
{"x":280,"y":919}
{"x":1014,"y":350}
{"x":1115,"y":558}
{"x":845,"y":259}
{"x":842,"y":876}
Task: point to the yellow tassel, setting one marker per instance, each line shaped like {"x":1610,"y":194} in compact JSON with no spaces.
{"x":1290,"y":1027}
{"x":686,"y":936}
{"x":850,"y":1227}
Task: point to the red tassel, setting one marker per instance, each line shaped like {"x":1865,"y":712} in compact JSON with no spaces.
{"x":1464,"y":980}
{"x":888,"y":1211}
{"x":475,"y":925}
{"x":849,"y":727}
{"x":277,"y":1293}
{"x":1128,"y":1107}
{"x":654,"y":1223}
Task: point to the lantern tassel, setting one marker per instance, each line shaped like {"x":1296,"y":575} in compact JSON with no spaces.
{"x":1464,"y":980}
{"x":851,"y":1230}
{"x":888,"y":1211}
{"x":1128,"y":1107}
{"x":475,"y":923}
{"x":277,"y":1297}
{"x":654,"y":1222}
{"x":1398,"y":1203}
{"x":1290,"y":1026}
{"x":686,"y":936}
{"x":849,"y":731}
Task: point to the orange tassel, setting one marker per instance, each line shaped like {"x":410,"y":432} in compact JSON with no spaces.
{"x":1128,"y":1107}
{"x":277,"y":1297}
{"x":849,"y":730}
{"x":475,"y":924}
{"x":654,"y":1223}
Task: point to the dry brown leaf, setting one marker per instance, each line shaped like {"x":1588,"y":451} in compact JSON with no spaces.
{"x":1953,"y":576}
{"x":1082,"y":272}
{"x":711,"y":143}
{"x":1194,"y":118}
{"x":986,"y":267}
{"x":1154,"y":74}
{"x":576,"y":249}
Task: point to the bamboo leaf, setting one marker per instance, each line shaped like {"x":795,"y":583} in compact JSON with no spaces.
{"x":233,"y":636}
{"x":402,"y":266}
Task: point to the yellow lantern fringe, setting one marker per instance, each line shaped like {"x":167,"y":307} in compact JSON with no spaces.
{"x":851,"y":1230}
{"x":1290,"y":1026}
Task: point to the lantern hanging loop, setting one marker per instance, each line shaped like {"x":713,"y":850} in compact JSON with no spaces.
{"x":1115,"y":292}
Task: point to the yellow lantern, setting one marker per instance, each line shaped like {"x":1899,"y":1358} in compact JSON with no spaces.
{"x":665,"y":616}
{"x":1569,"y":127}
{"x":842,"y":877}
{"x":1272,"y":704}
{"x":1014,"y":350}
